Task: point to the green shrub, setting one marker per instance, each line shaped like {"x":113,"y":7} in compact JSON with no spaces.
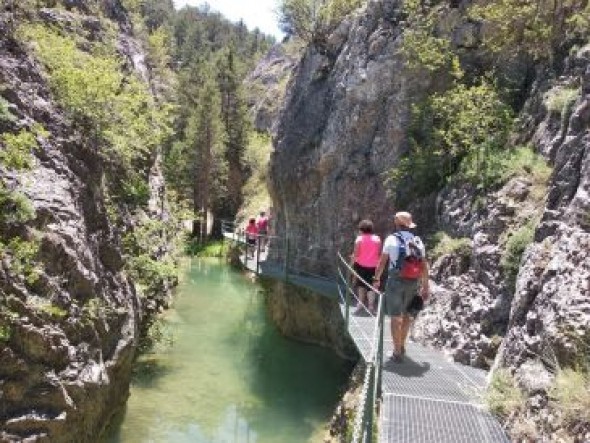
{"x":150,"y":273}
{"x":52,"y":310}
{"x":559,"y":99}
{"x":23,"y":255}
{"x":15,"y":207}
{"x":504,"y":396}
{"x":514,"y":246}
{"x":143,"y":249}
{"x":466,"y":124}
{"x":5,"y":114}
{"x":533,"y":27}
{"x":5,"y":333}
{"x":570,"y":395}
{"x":136,"y":190}
{"x":422,"y":44}
{"x":159,"y":335}
{"x":209,"y":249}
{"x":314,"y":20}
{"x":445,"y":244}
{"x":108,"y":104}
{"x":17,"y":152}
{"x":506,"y":164}
{"x":255,"y":190}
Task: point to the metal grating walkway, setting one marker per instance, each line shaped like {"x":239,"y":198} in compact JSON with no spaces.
{"x":425,"y":399}
{"x":428,"y":398}
{"x":416,"y":420}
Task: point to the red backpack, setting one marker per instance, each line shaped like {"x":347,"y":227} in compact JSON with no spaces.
{"x":410,"y":261}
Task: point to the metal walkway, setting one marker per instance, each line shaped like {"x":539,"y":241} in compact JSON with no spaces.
{"x":425,"y":399}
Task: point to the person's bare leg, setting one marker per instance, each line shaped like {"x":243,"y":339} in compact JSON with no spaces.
{"x":397,"y":334}
{"x":363,"y":296}
{"x":371,"y":301}
{"x":404,"y":330}
{"x":392,"y":327}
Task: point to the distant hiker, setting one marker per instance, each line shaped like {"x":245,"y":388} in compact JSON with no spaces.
{"x":262,"y":225}
{"x":251,"y":236}
{"x":364,"y":259}
{"x":407,"y":270}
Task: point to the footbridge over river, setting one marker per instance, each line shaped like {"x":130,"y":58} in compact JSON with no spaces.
{"x":425,"y":399}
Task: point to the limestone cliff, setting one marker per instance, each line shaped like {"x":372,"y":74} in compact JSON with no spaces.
{"x":345,"y":123}
{"x":69,"y":335}
{"x":266,"y":84}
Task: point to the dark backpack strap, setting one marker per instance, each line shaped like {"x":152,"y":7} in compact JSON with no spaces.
{"x":402,"y":250}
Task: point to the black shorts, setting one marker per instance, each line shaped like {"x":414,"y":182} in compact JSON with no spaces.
{"x":251,"y":241}
{"x":366,"y":274}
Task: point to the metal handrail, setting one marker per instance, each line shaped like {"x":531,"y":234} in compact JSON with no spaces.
{"x":363,"y":422}
{"x":363,"y":429}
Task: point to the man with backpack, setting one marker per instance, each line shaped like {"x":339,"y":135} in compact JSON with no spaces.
{"x":407,"y":272}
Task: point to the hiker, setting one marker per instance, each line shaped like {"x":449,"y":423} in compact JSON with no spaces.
{"x":251,"y":235}
{"x":408,"y":270}
{"x":364,"y":260}
{"x":262,"y":225}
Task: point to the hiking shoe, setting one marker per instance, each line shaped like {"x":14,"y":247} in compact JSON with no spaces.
{"x":397,"y":358}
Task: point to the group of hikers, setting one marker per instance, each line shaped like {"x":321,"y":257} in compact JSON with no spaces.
{"x":401,"y":259}
{"x":256,"y":231}
{"x":403,"y":256}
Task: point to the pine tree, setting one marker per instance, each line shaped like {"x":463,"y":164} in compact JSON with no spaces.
{"x":204,"y":136}
{"x":237,"y":127}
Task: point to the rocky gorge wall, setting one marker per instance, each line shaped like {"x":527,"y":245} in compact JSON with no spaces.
{"x":69,"y":336}
{"x":308,"y":317}
{"x":344,"y":124}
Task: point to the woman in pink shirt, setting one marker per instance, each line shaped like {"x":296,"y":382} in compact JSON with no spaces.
{"x":365,"y":257}
{"x":251,"y":236}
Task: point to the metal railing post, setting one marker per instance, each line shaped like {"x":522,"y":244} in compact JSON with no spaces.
{"x":258,"y":254}
{"x":347,"y":306}
{"x":379,"y":359}
{"x":370,"y":406}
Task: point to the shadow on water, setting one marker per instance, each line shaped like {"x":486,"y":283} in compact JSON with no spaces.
{"x":291,"y":377}
{"x":148,"y":369}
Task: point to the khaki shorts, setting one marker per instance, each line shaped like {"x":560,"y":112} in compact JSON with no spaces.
{"x":399,"y":294}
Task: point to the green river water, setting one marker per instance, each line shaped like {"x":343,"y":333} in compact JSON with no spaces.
{"x":227,"y":375}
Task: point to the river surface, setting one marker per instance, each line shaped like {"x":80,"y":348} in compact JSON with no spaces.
{"x":224,"y":374}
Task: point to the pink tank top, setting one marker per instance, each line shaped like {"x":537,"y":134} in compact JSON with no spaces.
{"x":368,"y":250}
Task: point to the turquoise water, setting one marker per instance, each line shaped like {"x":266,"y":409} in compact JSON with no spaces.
{"x":224,"y":374}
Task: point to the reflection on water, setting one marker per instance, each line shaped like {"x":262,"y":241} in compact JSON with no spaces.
{"x":229,"y":376}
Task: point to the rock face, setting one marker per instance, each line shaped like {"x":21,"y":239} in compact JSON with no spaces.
{"x":308,"y":317}
{"x":344,"y":124}
{"x":549,"y":323}
{"x":69,"y":339}
{"x":266,"y":84}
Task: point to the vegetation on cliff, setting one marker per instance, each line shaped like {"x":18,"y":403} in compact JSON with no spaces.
{"x":465,"y":135}
{"x":312,"y":20}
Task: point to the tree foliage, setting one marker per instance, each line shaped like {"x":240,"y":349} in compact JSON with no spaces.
{"x":537,"y":27}
{"x":116,"y":108}
{"x":313,"y":20}
{"x":466,"y":124}
{"x":205,"y":163}
{"x":422,"y":46}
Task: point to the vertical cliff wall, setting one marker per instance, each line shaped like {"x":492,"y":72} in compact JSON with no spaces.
{"x":345,"y":122}
{"x":69,"y":314}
